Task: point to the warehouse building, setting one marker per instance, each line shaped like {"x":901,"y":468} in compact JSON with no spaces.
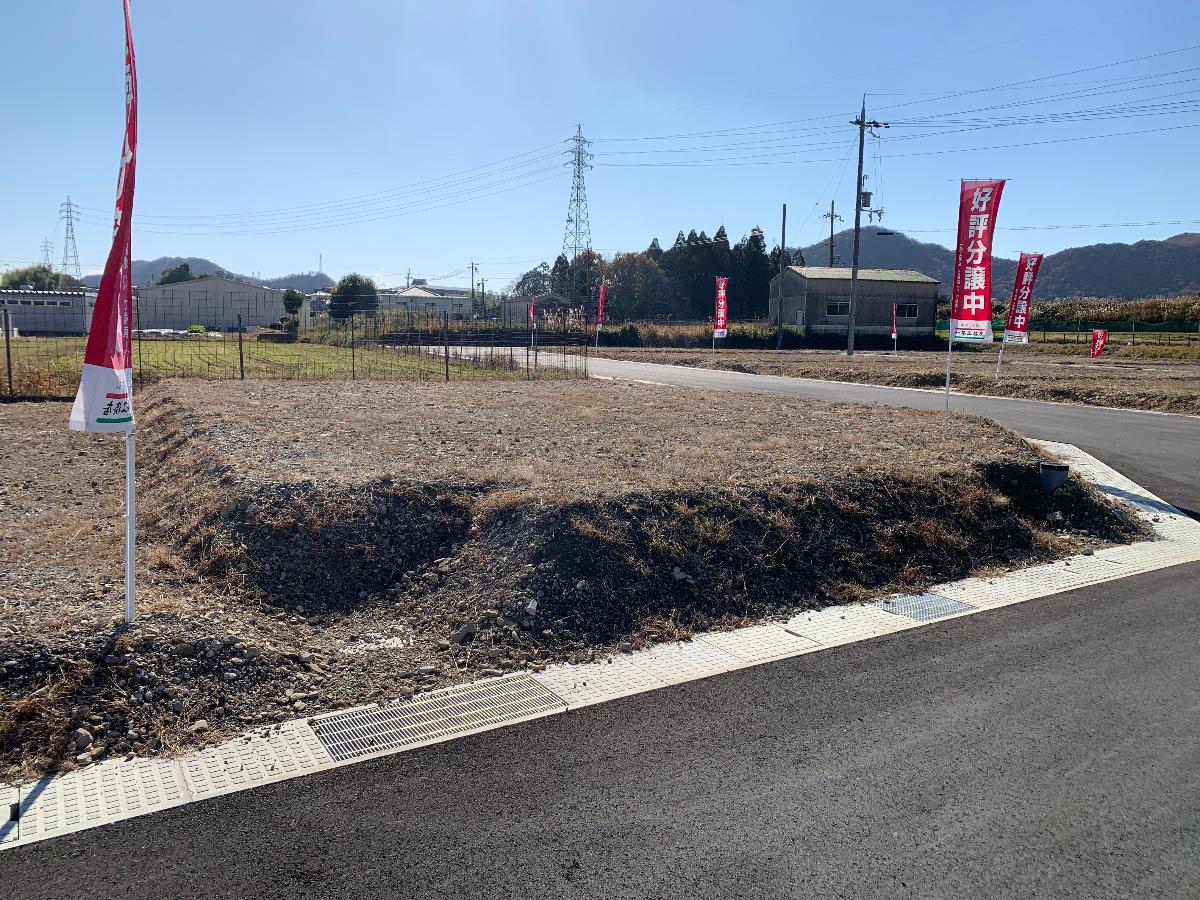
{"x":818,"y":299}
{"x":215,"y":301}
{"x":33,"y":312}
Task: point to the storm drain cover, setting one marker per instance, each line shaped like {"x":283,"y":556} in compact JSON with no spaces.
{"x":434,"y":717}
{"x":923,"y":607}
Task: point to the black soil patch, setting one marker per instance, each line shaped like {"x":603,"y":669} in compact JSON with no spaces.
{"x":603,"y":571}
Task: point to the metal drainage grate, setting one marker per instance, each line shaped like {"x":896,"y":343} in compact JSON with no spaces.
{"x":923,"y":607}
{"x":435,"y":717}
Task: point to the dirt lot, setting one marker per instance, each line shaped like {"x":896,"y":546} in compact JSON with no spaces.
{"x":1163,"y":385}
{"x":309,"y":546}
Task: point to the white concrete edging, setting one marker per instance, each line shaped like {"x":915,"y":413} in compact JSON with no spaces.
{"x":121,"y":789}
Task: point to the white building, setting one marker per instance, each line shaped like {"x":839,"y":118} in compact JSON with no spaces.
{"x":423,"y":299}
{"x":48,"y":312}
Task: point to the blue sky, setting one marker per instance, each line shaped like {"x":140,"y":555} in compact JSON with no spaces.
{"x":368,"y":133}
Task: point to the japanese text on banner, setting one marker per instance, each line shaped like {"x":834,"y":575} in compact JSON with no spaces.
{"x":971,"y":297}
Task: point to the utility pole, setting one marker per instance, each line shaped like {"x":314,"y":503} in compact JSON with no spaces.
{"x":863,"y":125}
{"x":483,"y":292}
{"x":779,"y":286}
{"x":831,"y":215}
{"x":408,"y":279}
{"x":472,"y":286}
{"x":320,"y":262}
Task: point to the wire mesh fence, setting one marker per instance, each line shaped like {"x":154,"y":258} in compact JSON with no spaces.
{"x":241,"y":335}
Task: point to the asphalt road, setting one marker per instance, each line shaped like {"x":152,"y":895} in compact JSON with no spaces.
{"x":1044,"y":749}
{"x":1160,"y":452}
{"x":1048,"y":748}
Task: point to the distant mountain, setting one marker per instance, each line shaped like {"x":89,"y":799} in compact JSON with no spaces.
{"x":146,"y":272}
{"x":1128,"y":271}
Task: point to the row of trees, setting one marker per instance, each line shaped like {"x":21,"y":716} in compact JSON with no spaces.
{"x":657,"y":283}
{"x":39,"y":278}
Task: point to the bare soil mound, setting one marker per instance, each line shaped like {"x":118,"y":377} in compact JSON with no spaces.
{"x":310,"y":546}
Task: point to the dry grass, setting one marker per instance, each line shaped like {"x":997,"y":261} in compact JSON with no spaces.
{"x":366,"y":524}
{"x":1163,"y":385}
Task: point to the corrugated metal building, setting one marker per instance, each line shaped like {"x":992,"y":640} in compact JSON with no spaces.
{"x":48,"y":312}
{"x":818,"y":298}
{"x":215,"y":300}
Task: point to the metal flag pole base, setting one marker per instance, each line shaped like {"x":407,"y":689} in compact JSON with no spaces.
{"x":130,"y":527}
{"x":999,"y":359}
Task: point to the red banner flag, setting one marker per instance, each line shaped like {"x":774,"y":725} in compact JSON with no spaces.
{"x":893,"y":321}
{"x":600,"y":311}
{"x":721,"y":313}
{"x":1099,"y":339}
{"x":532,"y":300}
{"x":104,"y":401}
{"x":971,"y":297}
{"x":1016,"y":329}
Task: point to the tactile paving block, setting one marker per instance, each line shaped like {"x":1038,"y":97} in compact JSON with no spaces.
{"x":759,"y":643}
{"x":835,"y":625}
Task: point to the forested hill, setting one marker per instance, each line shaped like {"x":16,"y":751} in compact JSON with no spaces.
{"x":147,"y":271}
{"x":1129,"y":271}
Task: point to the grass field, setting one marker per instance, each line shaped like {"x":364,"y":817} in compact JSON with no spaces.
{"x":49,"y":367}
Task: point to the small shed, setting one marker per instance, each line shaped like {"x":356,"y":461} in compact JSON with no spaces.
{"x":817,"y":298}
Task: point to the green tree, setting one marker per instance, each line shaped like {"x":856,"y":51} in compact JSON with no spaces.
{"x":750,"y":278}
{"x":560,"y":275}
{"x":535,"y":281}
{"x":180,"y":273}
{"x":354,"y":293}
{"x":293,"y":302}
{"x":637,"y":288}
{"x":39,"y":278}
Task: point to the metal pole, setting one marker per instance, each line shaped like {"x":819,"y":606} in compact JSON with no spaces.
{"x":137,"y":317}
{"x":862,"y":135}
{"x":999,"y":359}
{"x":8,"y":349}
{"x":779,"y":290}
{"x":949,"y":356}
{"x":130,"y":527}
{"x":446,"y":341}
{"x":353,"y":366}
{"x":241,"y":354}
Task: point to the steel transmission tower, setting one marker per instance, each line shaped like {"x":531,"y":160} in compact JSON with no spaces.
{"x":70,"y":259}
{"x":47,"y":253}
{"x":577,"y":236}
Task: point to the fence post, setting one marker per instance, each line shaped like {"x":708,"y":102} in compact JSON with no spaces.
{"x":137,"y":318}
{"x":8,"y":350}
{"x":241,"y":352}
{"x":353,"y":361}
{"x":446,"y":342}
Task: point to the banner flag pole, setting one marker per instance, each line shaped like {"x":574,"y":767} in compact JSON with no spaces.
{"x":971,"y":293}
{"x":130,"y":526}
{"x":104,"y":399}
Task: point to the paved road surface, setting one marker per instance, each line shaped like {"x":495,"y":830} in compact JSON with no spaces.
{"x":1048,"y":748}
{"x":1044,"y":749}
{"x":1160,"y":452}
